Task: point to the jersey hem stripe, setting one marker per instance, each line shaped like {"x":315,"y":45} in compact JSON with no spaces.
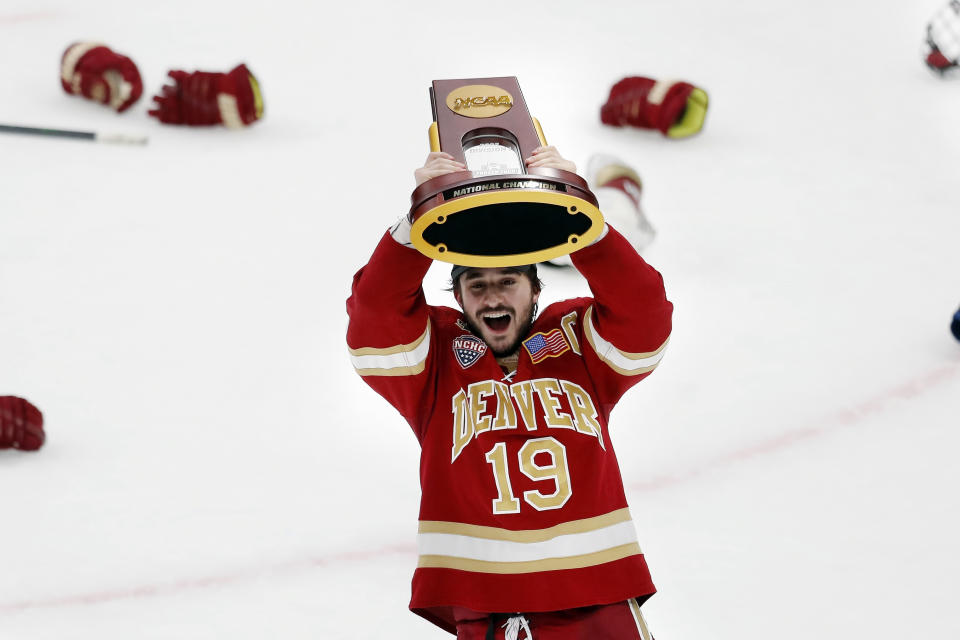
{"x":574,"y":544}
{"x":529,"y":535}
{"x":534,"y":566}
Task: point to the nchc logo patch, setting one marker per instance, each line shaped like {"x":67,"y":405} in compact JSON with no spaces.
{"x":468,"y":349}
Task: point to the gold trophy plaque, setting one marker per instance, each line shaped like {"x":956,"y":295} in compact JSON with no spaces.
{"x":497,"y":213}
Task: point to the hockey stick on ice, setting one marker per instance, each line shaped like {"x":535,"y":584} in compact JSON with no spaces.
{"x":116,"y":138}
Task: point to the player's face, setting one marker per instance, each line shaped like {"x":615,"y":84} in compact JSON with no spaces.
{"x":498,"y":304}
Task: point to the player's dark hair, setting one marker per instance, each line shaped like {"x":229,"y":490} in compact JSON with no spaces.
{"x":529,"y":270}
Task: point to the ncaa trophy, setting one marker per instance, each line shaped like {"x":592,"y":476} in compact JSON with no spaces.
{"x":497,"y":213}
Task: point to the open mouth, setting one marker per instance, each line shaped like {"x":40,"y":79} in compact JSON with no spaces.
{"x":496,"y":321}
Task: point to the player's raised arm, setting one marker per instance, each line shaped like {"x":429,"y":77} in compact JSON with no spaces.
{"x":389,"y":334}
{"x":628,"y":326}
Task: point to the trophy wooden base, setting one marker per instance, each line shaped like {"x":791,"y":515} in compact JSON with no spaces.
{"x":503,"y":221}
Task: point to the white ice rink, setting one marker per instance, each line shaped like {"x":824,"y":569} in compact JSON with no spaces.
{"x":215,"y":469}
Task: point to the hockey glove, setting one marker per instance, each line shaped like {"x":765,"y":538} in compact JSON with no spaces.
{"x":676,"y":109}
{"x":618,"y":187}
{"x":21,"y":424}
{"x":94,"y":71}
{"x":943,"y":39}
{"x":203,"y":98}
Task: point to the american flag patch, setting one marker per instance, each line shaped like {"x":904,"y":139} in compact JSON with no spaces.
{"x":541,"y":346}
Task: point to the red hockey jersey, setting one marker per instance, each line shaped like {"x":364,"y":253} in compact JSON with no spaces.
{"x":522,"y":506}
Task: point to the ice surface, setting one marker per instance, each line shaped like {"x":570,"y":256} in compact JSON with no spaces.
{"x":214,"y":469}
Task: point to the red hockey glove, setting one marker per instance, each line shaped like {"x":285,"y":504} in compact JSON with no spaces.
{"x":202,"y":98}
{"x":94,"y":71}
{"x":943,"y":39}
{"x":677,"y":109}
{"x":21,"y":424}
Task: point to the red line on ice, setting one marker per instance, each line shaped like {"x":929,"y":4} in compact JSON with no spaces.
{"x":833,"y":422}
{"x":840,"y":419}
{"x":14,"y":18}
{"x":205,"y":582}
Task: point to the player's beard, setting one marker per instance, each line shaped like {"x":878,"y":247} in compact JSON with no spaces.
{"x":524,"y":326}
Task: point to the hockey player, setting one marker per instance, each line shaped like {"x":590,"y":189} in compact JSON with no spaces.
{"x":524,"y":530}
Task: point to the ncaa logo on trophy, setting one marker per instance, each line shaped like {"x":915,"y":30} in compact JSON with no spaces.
{"x":497,"y":213}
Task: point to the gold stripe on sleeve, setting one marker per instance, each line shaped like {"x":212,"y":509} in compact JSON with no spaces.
{"x":393,"y":371}
{"x":398,"y":360}
{"x":623,"y":362}
{"x":387,"y":351}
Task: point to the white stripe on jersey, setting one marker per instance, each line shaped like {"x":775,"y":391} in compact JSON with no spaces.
{"x":564,"y":545}
{"x":399,"y":360}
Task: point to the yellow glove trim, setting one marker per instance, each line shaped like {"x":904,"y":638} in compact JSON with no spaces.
{"x":257,"y":97}
{"x":693,"y":116}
